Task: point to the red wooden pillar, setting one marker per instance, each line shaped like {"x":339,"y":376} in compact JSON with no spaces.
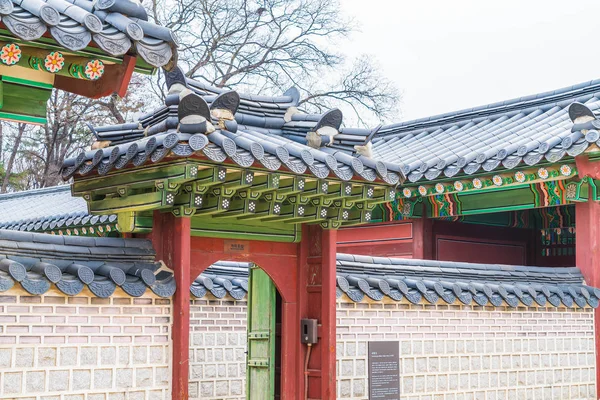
{"x":171,"y":239}
{"x":422,"y":234}
{"x":317,"y":300}
{"x":587,"y":231}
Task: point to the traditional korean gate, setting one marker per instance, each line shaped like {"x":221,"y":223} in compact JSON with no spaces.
{"x":260,"y":370}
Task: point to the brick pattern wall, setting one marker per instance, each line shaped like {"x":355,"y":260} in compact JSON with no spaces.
{"x":54,"y":347}
{"x":460,"y":352}
{"x":217,"y":349}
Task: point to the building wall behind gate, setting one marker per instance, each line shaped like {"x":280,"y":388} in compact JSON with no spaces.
{"x":54,"y":347}
{"x":217,"y":349}
{"x":456,"y":352}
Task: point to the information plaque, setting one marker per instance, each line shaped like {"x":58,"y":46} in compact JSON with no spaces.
{"x":384,"y":370}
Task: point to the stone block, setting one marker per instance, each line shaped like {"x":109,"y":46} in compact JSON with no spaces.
{"x":5,"y":357}
{"x":88,"y":356}
{"x":207,"y":389}
{"x":162,"y":376}
{"x":143,"y":377}
{"x":12,"y":382}
{"x":221,"y":388}
{"x":124,"y":377}
{"x":35,"y":381}
{"x":74,"y":397}
{"x":108,"y":356}
{"x":140,"y":355}
{"x":24,"y":357}
{"x":46,"y":357}
{"x":103,"y":379}
{"x":68,"y":356}
{"x":58,"y":381}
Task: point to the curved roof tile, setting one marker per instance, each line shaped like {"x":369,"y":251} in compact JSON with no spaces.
{"x":48,"y":209}
{"x":528,"y":130}
{"x":116,"y":26}
{"x":418,"y":281}
{"x":37,"y":261}
{"x":259,"y":132}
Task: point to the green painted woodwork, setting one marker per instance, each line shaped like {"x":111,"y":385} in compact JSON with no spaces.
{"x":260,"y":363}
{"x":230,"y":195}
{"x":131,"y":221}
{"x":498,"y":199}
{"x":23,"y":100}
{"x":90,"y":52}
{"x":25,"y":82}
{"x":203,"y":226}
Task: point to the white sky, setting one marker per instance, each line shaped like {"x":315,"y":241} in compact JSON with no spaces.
{"x":455,"y":54}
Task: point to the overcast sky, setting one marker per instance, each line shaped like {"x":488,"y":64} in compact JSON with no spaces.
{"x":449,"y":55}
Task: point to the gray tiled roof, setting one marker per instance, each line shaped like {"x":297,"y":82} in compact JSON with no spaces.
{"x":463,"y":283}
{"x":259,"y":134}
{"x":36,"y":261}
{"x":116,"y":26}
{"x":270,"y":130}
{"x":46,"y":210}
{"x":524,"y":131}
{"x":221,"y":279}
{"x":418,"y":281}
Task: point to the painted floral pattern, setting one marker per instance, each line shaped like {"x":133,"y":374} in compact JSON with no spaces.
{"x":543,"y":173}
{"x":94,"y":69}
{"x":458,"y":185}
{"x":10,"y":54}
{"x":565,"y":170}
{"x":497,"y":179}
{"x":439,"y":188}
{"x":54,"y":62}
{"x":520,"y":176}
{"x":407,"y":192}
{"x":477,"y":183}
{"x":422,"y":190}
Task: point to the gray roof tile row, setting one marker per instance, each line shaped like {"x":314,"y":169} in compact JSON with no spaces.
{"x":524,"y":131}
{"x":256,"y":135}
{"x":37,"y":261}
{"x":49,"y":209}
{"x":418,"y":281}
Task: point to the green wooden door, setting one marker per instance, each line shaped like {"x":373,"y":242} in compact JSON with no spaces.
{"x":260,"y":370}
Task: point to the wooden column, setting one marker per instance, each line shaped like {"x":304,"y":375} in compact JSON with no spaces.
{"x":422,"y":233}
{"x":171,"y":239}
{"x":317,"y":300}
{"x":587,"y":231}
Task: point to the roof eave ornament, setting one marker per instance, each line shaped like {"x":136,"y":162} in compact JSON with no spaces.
{"x":325,"y":131}
{"x":585,"y":122}
{"x":366,"y":149}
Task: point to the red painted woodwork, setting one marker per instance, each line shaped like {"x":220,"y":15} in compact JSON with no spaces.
{"x":454,"y":241}
{"x":171,"y":240}
{"x":116,"y":79}
{"x":488,"y":252}
{"x":316,"y":300}
{"x":422,"y":244}
{"x":585,"y":167}
{"x":375,"y":232}
{"x":384,"y":240}
{"x":587,"y":250}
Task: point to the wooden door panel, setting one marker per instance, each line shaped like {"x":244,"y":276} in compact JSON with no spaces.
{"x":260,"y":383}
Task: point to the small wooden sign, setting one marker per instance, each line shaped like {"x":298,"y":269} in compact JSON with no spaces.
{"x":237,"y":246}
{"x":384,"y":370}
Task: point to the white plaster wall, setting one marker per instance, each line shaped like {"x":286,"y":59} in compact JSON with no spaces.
{"x":53,"y":347}
{"x":465,"y":352}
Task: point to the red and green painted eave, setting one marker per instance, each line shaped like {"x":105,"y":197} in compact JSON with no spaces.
{"x":30,"y":70}
{"x":526,"y":188}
